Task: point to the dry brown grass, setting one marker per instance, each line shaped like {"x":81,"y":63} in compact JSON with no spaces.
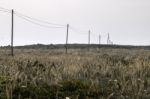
{"x":104,"y":73}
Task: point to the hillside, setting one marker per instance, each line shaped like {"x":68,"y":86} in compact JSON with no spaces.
{"x":78,"y":46}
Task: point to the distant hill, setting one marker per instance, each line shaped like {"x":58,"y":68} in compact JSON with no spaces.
{"x":78,"y":46}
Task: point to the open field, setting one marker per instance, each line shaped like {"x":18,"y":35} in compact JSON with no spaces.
{"x":98,"y":73}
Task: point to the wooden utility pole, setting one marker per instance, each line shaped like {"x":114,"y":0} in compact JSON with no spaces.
{"x":89,"y":38}
{"x":67,"y":38}
{"x":99,"y":39}
{"x":108,"y":39}
{"x":12,"y":33}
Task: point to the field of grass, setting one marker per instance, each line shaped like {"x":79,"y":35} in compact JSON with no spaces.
{"x":98,"y":73}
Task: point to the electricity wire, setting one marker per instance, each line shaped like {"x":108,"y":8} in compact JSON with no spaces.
{"x":78,"y":31}
{"x":46,"y":26}
{"x":5,"y":9}
{"x":38,"y":20}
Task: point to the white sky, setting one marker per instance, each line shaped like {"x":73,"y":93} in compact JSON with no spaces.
{"x":127,"y":21}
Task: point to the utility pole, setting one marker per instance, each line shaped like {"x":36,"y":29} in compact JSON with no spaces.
{"x":99,"y":39}
{"x":12,"y":33}
{"x":67,"y":38}
{"x":108,"y":39}
{"x":89,"y":38}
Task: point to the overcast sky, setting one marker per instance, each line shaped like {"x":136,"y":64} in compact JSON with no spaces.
{"x":127,"y":21}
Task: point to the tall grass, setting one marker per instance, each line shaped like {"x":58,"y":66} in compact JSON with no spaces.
{"x":103,"y":73}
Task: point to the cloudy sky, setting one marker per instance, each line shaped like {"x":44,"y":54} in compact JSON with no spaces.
{"x":127,"y":21}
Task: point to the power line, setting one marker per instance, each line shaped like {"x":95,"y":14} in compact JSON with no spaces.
{"x":41,"y":21}
{"x":23,"y":15}
{"x":94,"y":34}
{"x":82,"y":32}
{"x":37,"y":23}
{"x":5,"y":9}
{"x":78,"y":31}
{"x":47,"y":24}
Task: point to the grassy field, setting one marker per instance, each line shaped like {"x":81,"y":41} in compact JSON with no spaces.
{"x":98,"y":73}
